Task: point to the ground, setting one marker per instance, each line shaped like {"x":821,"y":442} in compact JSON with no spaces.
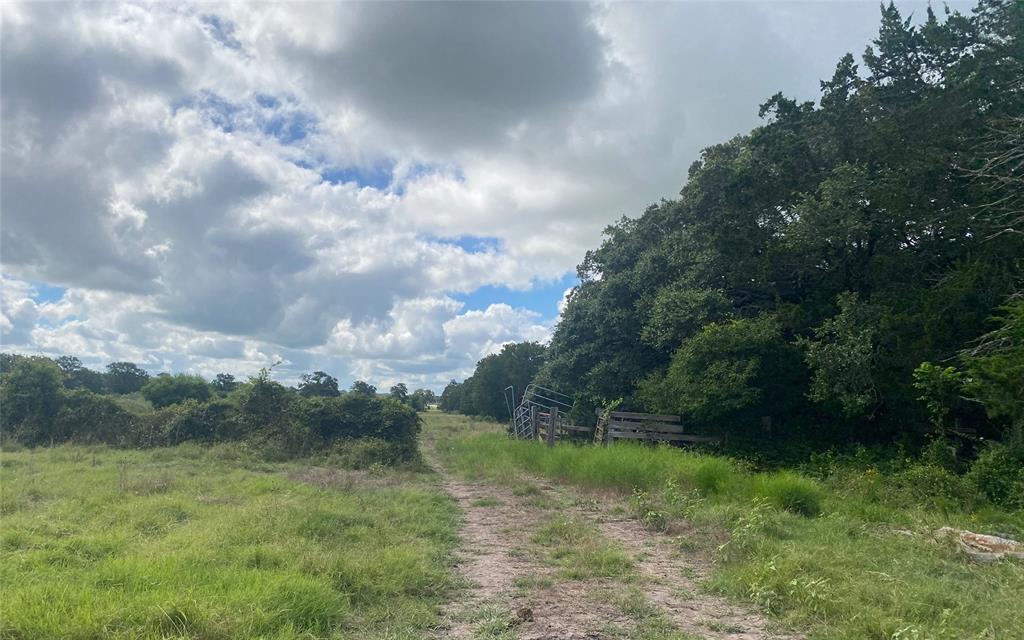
{"x":486,"y":538}
{"x":543,"y":562}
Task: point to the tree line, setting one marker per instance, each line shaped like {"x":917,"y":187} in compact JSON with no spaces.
{"x":850,"y":271}
{"x":53,"y":401}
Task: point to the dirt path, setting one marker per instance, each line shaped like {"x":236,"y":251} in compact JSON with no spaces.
{"x":515,"y":591}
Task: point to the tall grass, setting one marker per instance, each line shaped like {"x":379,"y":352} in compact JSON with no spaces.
{"x":853,"y":555}
{"x":213,"y":543}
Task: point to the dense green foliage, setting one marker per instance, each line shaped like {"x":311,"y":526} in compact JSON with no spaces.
{"x":125,"y":377}
{"x":808,"y":268}
{"x":30,"y":397}
{"x":215,"y":542}
{"x":165,"y":389}
{"x":483,"y":393}
{"x":318,"y":383}
{"x":40,"y":408}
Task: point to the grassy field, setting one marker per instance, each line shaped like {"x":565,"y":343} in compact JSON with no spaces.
{"x":846,"y":557}
{"x":213,"y":542}
{"x":193,"y":542}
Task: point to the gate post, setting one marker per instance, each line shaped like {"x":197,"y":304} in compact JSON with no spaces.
{"x":534,"y":430}
{"x":552,"y":426}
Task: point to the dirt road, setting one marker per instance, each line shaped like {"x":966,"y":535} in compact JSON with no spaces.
{"x":544,"y":562}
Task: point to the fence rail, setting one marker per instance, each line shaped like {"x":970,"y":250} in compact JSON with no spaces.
{"x":628,"y":425}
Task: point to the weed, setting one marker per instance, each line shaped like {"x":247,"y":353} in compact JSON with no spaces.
{"x":645,"y":509}
{"x":579,"y":549}
{"x":789,"y":491}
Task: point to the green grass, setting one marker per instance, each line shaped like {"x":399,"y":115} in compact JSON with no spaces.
{"x":844,"y":557}
{"x":210,"y":543}
{"x":580,"y":551}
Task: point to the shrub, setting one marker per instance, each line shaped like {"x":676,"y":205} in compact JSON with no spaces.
{"x":715,"y":475}
{"x":205,"y":422}
{"x":165,"y":390}
{"x":30,"y":396}
{"x":998,"y":474}
{"x":150,"y":429}
{"x":87,"y":417}
{"x":792,"y":492}
{"x":364,"y":453}
{"x":930,"y":486}
{"x":355,"y":416}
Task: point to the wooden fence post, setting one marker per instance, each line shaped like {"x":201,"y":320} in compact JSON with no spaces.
{"x":534,"y":428}
{"x":552,"y":425}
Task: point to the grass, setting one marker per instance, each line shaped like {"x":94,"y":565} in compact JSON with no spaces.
{"x":193,"y":542}
{"x":580,"y":551}
{"x":848,"y":556}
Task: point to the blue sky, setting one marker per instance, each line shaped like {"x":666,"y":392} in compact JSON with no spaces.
{"x":42,"y":292}
{"x":543,"y":298}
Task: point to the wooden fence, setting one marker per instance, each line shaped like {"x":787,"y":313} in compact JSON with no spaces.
{"x":626,"y":425}
{"x":549,"y":424}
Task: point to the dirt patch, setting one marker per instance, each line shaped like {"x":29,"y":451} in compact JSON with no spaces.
{"x":495,"y":532}
{"x":671,"y":581}
{"x":523,"y":596}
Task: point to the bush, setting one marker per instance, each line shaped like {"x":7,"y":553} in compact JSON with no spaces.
{"x":715,"y":475}
{"x":150,"y":429}
{"x":998,"y":474}
{"x":213,"y":421}
{"x":932,"y":487}
{"x":363,"y":453}
{"x":88,"y":417}
{"x":792,"y":492}
{"x":165,"y":390}
{"x":30,"y":396}
{"x":355,"y":416}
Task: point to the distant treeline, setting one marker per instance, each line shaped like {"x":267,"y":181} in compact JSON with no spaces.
{"x":44,"y":401}
{"x":848,"y":272}
{"x":483,"y":393}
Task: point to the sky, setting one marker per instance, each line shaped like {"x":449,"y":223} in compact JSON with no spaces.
{"x":383,"y":191}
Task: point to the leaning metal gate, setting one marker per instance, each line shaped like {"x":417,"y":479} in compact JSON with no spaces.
{"x":535,"y":398}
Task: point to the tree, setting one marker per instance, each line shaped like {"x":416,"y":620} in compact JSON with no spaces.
{"x":897,"y":195}
{"x":125,"y":377}
{"x":399,"y":392}
{"x":165,"y":390}
{"x":267,"y":410}
{"x":421,"y":398}
{"x":843,"y":357}
{"x":451,"y":397}
{"x":318,"y":384}
{"x":364,"y":388}
{"x":224,"y":383}
{"x":483,"y":393}
{"x":995,"y":368}
{"x":76,"y":376}
{"x":732,"y":373}
{"x":30,"y":397}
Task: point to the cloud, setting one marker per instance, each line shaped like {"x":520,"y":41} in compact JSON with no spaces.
{"x":219,"y":187}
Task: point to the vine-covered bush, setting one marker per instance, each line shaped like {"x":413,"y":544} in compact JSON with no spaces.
{"x":39,"y":410}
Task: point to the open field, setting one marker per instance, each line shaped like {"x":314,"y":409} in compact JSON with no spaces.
{"x":501,"y":539}
{"x":841,"y":558}
{"x":194,"y":542}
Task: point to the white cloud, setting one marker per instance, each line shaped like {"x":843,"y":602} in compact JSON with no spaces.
{"x":163,"y":163}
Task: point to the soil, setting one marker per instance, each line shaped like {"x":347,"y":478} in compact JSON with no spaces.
{"x":512,"y":592}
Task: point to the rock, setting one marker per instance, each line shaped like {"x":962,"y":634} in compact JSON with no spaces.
{"x":984,"y":548}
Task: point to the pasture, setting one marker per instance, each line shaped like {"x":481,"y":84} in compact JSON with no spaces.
{"x":212,"y":542}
